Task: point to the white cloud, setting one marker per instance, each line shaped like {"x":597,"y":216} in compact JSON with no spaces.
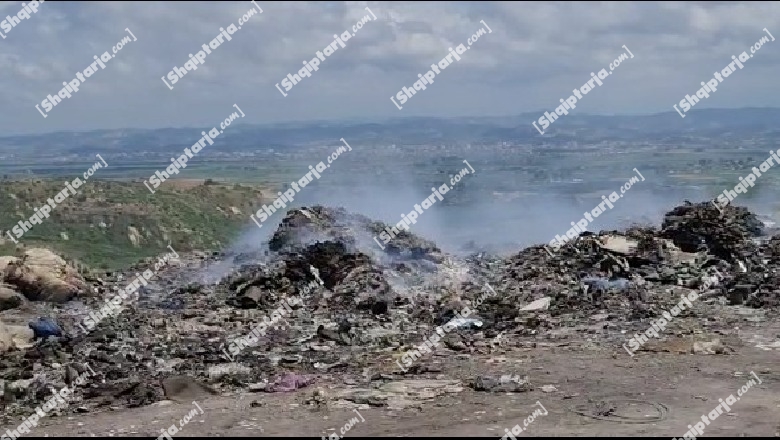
{"x":537,"y":51}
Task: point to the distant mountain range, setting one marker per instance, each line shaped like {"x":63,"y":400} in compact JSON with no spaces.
{"x":737,"y":124}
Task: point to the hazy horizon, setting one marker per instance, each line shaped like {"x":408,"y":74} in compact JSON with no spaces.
{"x":378,"y":120}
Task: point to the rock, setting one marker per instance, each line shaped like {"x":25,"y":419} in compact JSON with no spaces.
{"x":41,"y":275}
{"x":401,"y":394}
{"x":318,"y":398}
{"x":14,"y":336}
{"x":289,"y":382}
{"x":333,"y":335}
{"x":70,"y":375}
{"x":9,"y":393}
{"x":501,"y":385}
{"x":739,"y":294}
{"x":257,"y":387}
{"x":539,"y":304}
{"x":618,"y":244}
{"x":603,"y":284}
{"x":454,"y":343}
{"x":709,"y":347}
{"x":134,"y":236}
{"x":9,"y":298}
{"x":467,"y":323}
{"x":5,"y":261}
{"x":185,"y":389}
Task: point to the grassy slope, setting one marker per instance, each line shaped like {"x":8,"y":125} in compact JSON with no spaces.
{"x":198,"y":218}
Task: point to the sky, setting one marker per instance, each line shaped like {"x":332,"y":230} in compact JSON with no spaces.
{"x":535,"y":54}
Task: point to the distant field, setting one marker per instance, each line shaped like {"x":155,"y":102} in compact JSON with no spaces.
{"x":233,"y":171}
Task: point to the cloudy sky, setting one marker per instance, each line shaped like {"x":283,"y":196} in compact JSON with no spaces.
{"x":536,"y":54}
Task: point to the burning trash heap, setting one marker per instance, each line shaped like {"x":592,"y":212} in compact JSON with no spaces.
{"x":356,"y":306}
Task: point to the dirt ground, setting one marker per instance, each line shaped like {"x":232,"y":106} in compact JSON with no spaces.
{"x":655,"y":394}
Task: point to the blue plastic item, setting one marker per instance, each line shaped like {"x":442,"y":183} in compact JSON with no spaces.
{"x":45,"y":327}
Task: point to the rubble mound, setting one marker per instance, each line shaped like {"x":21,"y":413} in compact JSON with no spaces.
{"x":353,"y":276}
{"x":307,"y":225}
{"x":726,"y":232}
{"x":304,"y":226}
{"x":356,"y":282}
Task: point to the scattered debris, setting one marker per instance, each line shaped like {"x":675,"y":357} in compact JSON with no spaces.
{"x":363,"y":307}
{"x":289,"y":382}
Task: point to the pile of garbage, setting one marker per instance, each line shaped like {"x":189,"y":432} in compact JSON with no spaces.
{"x":308,"y":225}
{"x":360,"y":306}
{"x":723,"y":232}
